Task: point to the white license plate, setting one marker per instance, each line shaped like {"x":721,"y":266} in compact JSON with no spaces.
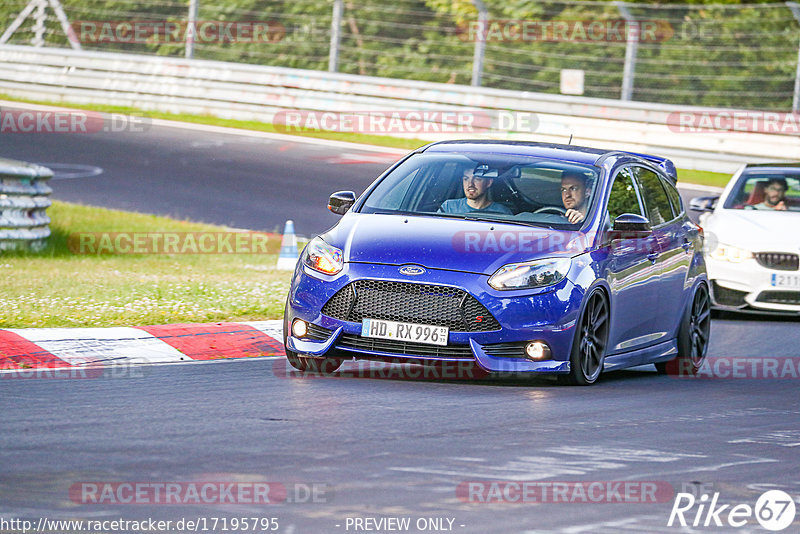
{"x":786,"y":280}
{"x":417,"y":333}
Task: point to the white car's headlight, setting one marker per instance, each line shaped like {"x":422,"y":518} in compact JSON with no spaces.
{"x":322,"y":257}
{"x":730,"y":253}
{"x":538,"y":273}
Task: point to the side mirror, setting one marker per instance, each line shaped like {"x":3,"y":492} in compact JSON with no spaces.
{"x":630,"y":226}
{"x":341,"y":201}
{"x":703,"y":203}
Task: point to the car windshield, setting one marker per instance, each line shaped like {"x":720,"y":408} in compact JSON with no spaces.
{"x":508,"y":188}
{"x":766,"y":189}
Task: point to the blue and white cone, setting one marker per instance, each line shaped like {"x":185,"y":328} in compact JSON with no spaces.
{"x":287,"y":259}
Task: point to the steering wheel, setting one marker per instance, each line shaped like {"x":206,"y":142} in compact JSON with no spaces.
{"x":552,"y":209}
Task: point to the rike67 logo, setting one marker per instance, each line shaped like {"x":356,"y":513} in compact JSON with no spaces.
{"x":774,"y":510}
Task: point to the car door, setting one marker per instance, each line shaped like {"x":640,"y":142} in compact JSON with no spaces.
{"x":632,"y":272}
{"x":673,"y":246}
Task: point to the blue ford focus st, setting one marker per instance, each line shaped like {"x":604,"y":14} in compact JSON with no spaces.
{"x":515,"y":256}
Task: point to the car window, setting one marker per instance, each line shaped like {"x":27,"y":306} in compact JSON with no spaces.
{"x":394,"y":198}
{"x":622,"y":198}
{"x":766,"y":189}
{"x":656,"y":203}
{"x":674,"y":197}
{"x":523,"y":189}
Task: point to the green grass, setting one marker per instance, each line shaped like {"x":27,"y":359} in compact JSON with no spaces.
{"x":58,"y":287}
{"x":684,"y":175}
{"x":715,"y":179}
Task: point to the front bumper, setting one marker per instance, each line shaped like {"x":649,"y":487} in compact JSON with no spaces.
{"x":547,"y":315}
{"x":748,"y":286}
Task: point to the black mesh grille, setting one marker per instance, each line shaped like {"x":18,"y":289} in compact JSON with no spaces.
{"x":506,"y":350}
{"x":779,"y":261}
{"x":404,"y":348}
{"x":728,"y":297}
{"x":317,"y":333}
{"x":779,"y":297}
{"x":413,"y":303}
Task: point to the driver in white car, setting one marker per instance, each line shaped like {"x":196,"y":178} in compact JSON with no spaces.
{"x":774,"y":195}
{"x":575,"y":196}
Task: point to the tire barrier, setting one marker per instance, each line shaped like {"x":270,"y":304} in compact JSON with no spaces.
{"x":24,"y":198}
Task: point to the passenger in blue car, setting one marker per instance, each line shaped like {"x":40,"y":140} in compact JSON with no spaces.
{"x":476,"y":183}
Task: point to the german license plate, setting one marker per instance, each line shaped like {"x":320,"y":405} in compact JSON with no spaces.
{"x":417,"y":333}
{"x":786,"y":280}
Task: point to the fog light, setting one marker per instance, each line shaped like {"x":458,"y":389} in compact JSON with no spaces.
{"x":537,"y":350}
{"x":299,"y":328}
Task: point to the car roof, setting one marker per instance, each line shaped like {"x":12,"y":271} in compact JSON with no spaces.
{"x":774,"y":166}
{"x":570,"y":153}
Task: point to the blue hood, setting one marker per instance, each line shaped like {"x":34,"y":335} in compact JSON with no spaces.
{"x":452,"y":244}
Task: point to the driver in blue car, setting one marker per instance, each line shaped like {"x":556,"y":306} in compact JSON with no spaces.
{"x":476,"y":184}
{"x":575,"y":193}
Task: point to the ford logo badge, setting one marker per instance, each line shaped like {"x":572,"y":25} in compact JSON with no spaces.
{"x":412,"y":270}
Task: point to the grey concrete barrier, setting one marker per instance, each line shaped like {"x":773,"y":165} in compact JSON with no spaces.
{"x":24,"y":199}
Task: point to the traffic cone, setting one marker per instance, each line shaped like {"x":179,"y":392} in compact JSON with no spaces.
{"x":287,"y":258}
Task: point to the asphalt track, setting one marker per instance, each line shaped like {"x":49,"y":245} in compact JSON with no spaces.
{"x":378,"y":446}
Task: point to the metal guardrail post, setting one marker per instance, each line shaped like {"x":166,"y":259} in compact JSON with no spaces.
{"x":336,"y":35}
{"x":24,"y":197}
{"x":631,"y":47}
{"x":39,"y":25}
{"x":191,"y":29}
{"x":480,"y":43}
{"x":795,"y":7}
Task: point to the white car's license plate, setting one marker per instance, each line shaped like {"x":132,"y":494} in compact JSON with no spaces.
{"x":417,"y":333}
{"x":786,"y":280}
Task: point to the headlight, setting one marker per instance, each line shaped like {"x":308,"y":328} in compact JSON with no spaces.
{"x":322,"y":257}
{"x":539,"y":273}
{"x":731,"y":253}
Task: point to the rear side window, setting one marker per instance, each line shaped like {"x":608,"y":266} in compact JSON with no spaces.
{"x":656,"y":202}
{"x":623,"y":197}
{"x":674,"y":197}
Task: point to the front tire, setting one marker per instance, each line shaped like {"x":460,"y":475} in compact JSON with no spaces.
{"x":590,"y":343}
{"x":693,"y":337}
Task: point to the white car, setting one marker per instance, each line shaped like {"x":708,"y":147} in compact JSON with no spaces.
{"x":752,"y":235}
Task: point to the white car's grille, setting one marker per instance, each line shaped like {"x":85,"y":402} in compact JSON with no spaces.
{"x":779,"y":261}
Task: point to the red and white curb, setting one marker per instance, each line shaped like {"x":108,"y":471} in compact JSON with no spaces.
{"x":32,"y":348}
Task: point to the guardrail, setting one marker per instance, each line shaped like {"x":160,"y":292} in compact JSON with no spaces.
{"x":24,"y":197}
{"x":251,"y":92}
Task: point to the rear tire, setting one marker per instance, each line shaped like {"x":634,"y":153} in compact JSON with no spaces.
{"x":590,"y":343}
{"x":693,"y":337}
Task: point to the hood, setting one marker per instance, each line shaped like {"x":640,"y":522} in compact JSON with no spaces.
{"x":755,"y":230}
{"x":452,"y":244}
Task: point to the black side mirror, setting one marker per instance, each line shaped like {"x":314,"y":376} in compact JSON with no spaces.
{"x":703,"y":203}
{"x":341,"y":201}
{"x":630,"y":226}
